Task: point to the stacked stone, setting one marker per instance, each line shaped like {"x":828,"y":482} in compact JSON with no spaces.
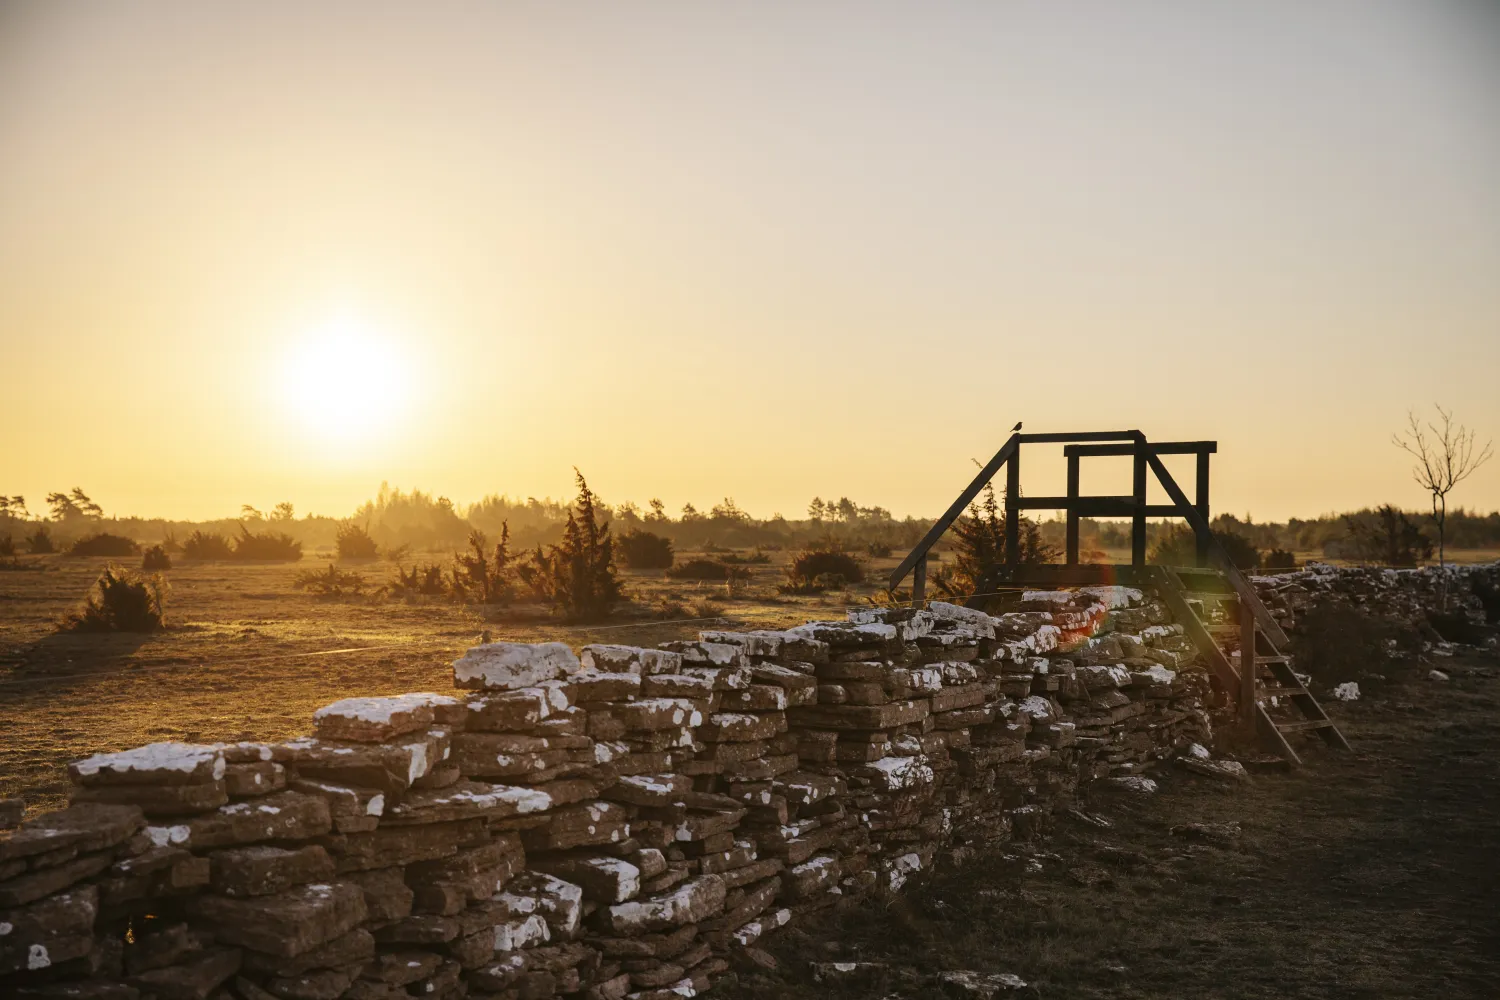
{"x":47,"y":907}
{"x":865,"y":742}
{"x":542,"y":724}
{"x":1106,"y":696}
{"x":1405,"y":596}
{"x":748,"y":757}
{"x":611,"y":826}
{"x":413,"y":836}
{"x":206,"y":806}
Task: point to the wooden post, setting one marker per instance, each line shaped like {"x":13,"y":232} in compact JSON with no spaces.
{"x":919,"y":583}
{"x":1248,"y":671}
{"x":1012,"y":511}
{"x":1138,"y":519}
{"x":1202,"y":504}
{"x":1072,"y":544}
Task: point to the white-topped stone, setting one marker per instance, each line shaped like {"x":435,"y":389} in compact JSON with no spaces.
{"x":508,"y":666}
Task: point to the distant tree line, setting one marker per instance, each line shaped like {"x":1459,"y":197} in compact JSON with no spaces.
{"x":396,"y":521}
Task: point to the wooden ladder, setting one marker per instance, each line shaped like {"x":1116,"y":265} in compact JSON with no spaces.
{"x":1261,"y":641}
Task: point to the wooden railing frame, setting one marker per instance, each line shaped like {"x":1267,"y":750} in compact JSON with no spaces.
{"x":1076,"y":446}
{"x":1147,"y":456}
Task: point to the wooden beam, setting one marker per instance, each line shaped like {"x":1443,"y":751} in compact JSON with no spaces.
{"x":955,"y":509}
{"x":1158,"y":448}
{"x":1138,"y":515}
{"x":1085,"y":436}
{"x":1097,"y":506}
{"x":1247,"y":665}
{"x":1202,"y":504}
{"x":1013,"y":509}
{"x":1071,"y":543}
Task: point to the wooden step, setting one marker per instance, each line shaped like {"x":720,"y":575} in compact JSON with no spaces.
{"x":1279,"y":691}
{"x":1265,"y":660}
{"x":1273,"y":671}
{"x":1302,"y":725}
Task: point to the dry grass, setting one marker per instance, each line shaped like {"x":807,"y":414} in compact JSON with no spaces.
{"x":248,"y":655}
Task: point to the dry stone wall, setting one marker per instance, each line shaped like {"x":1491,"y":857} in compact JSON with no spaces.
{"x":1403,"y":597}
{"x":615,"y":822}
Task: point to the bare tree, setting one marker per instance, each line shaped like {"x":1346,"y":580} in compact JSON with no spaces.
{"x":1445,"y":457}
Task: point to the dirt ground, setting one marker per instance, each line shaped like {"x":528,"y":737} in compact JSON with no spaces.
{"x":1366,"y":875}
{"x":247,"y":656}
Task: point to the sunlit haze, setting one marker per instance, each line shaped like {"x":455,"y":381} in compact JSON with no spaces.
{"x":263,"y":252}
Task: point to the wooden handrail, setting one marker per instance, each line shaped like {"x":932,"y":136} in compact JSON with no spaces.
{"x":943,"y":523}
{"x":1165,"y":448}
{"x":1064,"y":437}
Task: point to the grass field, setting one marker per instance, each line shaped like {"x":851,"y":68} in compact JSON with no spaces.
{"x":248,"y":656}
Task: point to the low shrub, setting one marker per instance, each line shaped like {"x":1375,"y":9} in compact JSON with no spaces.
{"x":1278,"y":559}
{"x":1385,"y":535}
{"x":207,"y":545}
{"x":156,"y":558}
{"x":266,"y":546}
{"x":878,"y":550}
{"x":817,"y":570}
{"x":1179,"y":547}
{"x":577,"y":576}
{"x":422,"y":580}
{"x":1335,"y":643}
{"x":7,"y":547}
{"x":484,"y":575}
{"x":1489,"y":599}
{"x":755,"y":558}
{"x":121,"y":601}
{"x":103,"y":544}
{"x":707,"y":609}
{"x":331,"y":582}
{"x":355,"y":542}
{"x":701,"y":569}
{"x":671,"y":609}
{"x":645,"y":550}
{"x":39,"y":542}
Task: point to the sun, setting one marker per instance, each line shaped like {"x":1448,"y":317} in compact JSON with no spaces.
{"x":344,"y":380}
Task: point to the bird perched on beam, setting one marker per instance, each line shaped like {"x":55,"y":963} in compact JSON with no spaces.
{"x":1016,"y":428}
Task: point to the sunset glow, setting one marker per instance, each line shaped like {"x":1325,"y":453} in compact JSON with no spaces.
{"x":701,"y":253}
{"x":345,"y":382}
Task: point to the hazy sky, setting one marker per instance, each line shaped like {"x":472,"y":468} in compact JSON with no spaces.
{"x":252,"y":252}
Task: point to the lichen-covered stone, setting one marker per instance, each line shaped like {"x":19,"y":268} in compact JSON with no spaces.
{"x":509,"y":666}
{"x":374,"y":720}
{"x":153,"y":764}
{"x":288,"y":923}
{"x":692,"y":902}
